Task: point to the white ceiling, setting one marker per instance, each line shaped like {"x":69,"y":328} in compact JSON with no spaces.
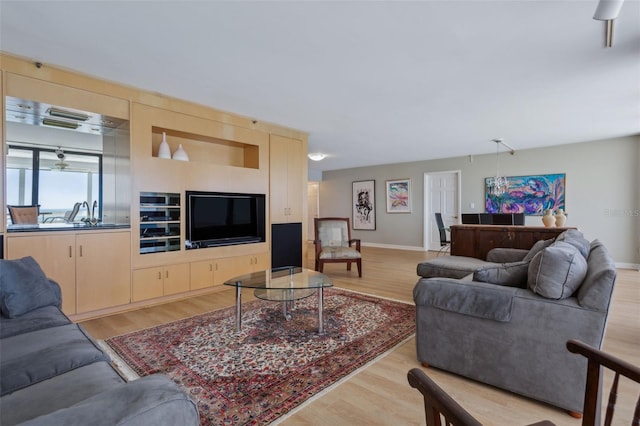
{"x":371,"y":82}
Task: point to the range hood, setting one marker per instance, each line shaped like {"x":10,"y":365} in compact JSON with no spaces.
{"x":46,"y":115}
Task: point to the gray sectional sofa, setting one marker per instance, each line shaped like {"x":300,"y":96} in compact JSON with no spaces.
{"x":506,"y":322}
{"x":53,"y":373}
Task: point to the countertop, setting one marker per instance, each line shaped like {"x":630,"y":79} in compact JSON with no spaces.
{"x":65,"y":227}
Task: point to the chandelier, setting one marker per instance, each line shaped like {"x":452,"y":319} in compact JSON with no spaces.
{"x":498,"y":185}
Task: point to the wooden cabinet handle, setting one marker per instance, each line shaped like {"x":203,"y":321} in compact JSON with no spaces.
{"x":210,"y":267}
{"x":80,"y":250}
{"x":166,"y":274}
{"x":159,"y":275}
{"x":70,"y":251}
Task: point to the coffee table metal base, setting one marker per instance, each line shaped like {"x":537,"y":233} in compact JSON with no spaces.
{"x":287,"y":297}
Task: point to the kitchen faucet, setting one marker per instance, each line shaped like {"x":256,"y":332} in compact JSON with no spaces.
{"x":91,"y":211}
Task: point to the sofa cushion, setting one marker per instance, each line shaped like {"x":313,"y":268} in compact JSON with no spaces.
{"x":595,"y":291}
{"x":58,"y":392}
{"x":39,"y":355}
{"x":537,"y":248}
{"x":151,"y":400}
{"x":24,"y":287}
{"x":478,"y":300}
{"x":449,"y":267}
{"x":45,"y":317}
{"x":576,"y":239}
{"x":557,"y":271}
{"x":512,"y":274}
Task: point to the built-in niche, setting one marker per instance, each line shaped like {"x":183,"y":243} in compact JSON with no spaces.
{"x":206,"y":149}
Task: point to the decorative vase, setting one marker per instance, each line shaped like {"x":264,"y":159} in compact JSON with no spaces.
{"x":548,"y":220}
{"x":561,"y":218}
{"x":163,"y":149}
{"x":180,"y":154}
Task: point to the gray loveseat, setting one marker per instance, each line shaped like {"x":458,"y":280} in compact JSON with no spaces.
{"x":53,"y":373}
{"x":506,"y":322}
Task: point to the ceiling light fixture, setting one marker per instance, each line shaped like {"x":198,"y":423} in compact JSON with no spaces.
{"x":318,"y":156}
{"x":56,"y":112}
{"x":607,"y":11}
{"x":498,"y":184}
{"x":59,"y":123}
{"x":61,"y":165}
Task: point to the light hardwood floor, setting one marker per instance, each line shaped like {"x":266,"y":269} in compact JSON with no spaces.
{"x":379,"y":394}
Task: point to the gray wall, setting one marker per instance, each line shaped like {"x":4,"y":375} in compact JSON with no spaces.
{"x":602,"y":192}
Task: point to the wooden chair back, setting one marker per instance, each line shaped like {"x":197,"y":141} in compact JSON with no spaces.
{"x":23,"y":215}
{"x":596,"y":361}
{"x":439,"y":406}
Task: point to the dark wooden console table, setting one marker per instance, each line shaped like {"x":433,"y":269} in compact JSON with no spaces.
{"x":477,"y":240}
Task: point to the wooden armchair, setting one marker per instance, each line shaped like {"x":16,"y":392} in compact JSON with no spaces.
{"x":592,"y":397}
{"x":438,"y":405}
{"x":334,"y":244}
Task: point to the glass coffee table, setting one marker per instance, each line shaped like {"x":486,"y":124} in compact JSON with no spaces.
{"x":285,"y":284}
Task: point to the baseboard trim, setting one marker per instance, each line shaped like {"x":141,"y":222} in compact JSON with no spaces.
{"x":623,"y":265}
{"x":393,"y":246}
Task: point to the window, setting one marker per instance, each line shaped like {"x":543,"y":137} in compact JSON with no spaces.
{"x":54,"y":179}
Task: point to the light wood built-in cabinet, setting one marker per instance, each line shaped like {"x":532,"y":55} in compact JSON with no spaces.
{"x":92,"y":269}
{"x":149,"y":283}
{"x":214,"y":272}
{"x":286,"y":179}
{"x":106,"y":272}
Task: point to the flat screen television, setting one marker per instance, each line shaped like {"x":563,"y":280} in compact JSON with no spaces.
{"x":223,"y":218}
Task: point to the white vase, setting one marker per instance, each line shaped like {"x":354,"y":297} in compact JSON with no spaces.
{"x":561,"y":218}
{"x":163,"y":149}
{"x":548,"y":219}
{"x":180,"y":154}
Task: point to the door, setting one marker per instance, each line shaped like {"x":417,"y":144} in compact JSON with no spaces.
{"x":442,"y":195}
{"x":313,"y":203}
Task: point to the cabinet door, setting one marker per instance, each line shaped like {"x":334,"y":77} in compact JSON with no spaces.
{"x":56,"y":257}
{"x":260,"y":262}
{"x":202,"y":274}
{"x":227,"y":268}
{"x":286,"y":179}
{"x":176,"y":278}
{"x":295,"y":181}
{"x":278,"y":180}
{"x":147,"y":284}
{"x":103,"y":270}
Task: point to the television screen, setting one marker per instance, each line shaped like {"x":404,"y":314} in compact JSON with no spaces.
{"x":217,"y":218}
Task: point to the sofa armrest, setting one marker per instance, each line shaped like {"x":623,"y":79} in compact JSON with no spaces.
{"x":471,"y":298}
{"x":506,"y":255}
{"x":152,"y":400}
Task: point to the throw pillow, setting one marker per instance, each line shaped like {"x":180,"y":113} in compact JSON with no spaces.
{"x":537,"y":247}
{"x":513,"y":274}
{"x":576,"y":239}
{"x":24,"y":287}
{"x":557,"y":271}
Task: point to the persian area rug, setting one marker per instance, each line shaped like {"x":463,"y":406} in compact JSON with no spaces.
{"x":273,"y":365}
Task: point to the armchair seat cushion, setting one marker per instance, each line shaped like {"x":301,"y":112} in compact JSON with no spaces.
{"x":339,"y":253}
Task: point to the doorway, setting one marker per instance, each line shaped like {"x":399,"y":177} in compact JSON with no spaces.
{"x":441,"y":195}
{"x":313,"y":203}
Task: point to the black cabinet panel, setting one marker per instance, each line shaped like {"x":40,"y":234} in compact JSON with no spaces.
{"x":286,"y":244}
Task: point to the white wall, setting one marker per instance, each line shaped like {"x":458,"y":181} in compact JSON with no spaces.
{"x":602,"y":191}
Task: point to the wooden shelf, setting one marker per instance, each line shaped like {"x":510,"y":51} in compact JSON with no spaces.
{"x":207,"y":149}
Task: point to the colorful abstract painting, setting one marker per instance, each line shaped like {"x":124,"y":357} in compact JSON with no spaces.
{"x":399,"y":196}
{"x":530,"y":195}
